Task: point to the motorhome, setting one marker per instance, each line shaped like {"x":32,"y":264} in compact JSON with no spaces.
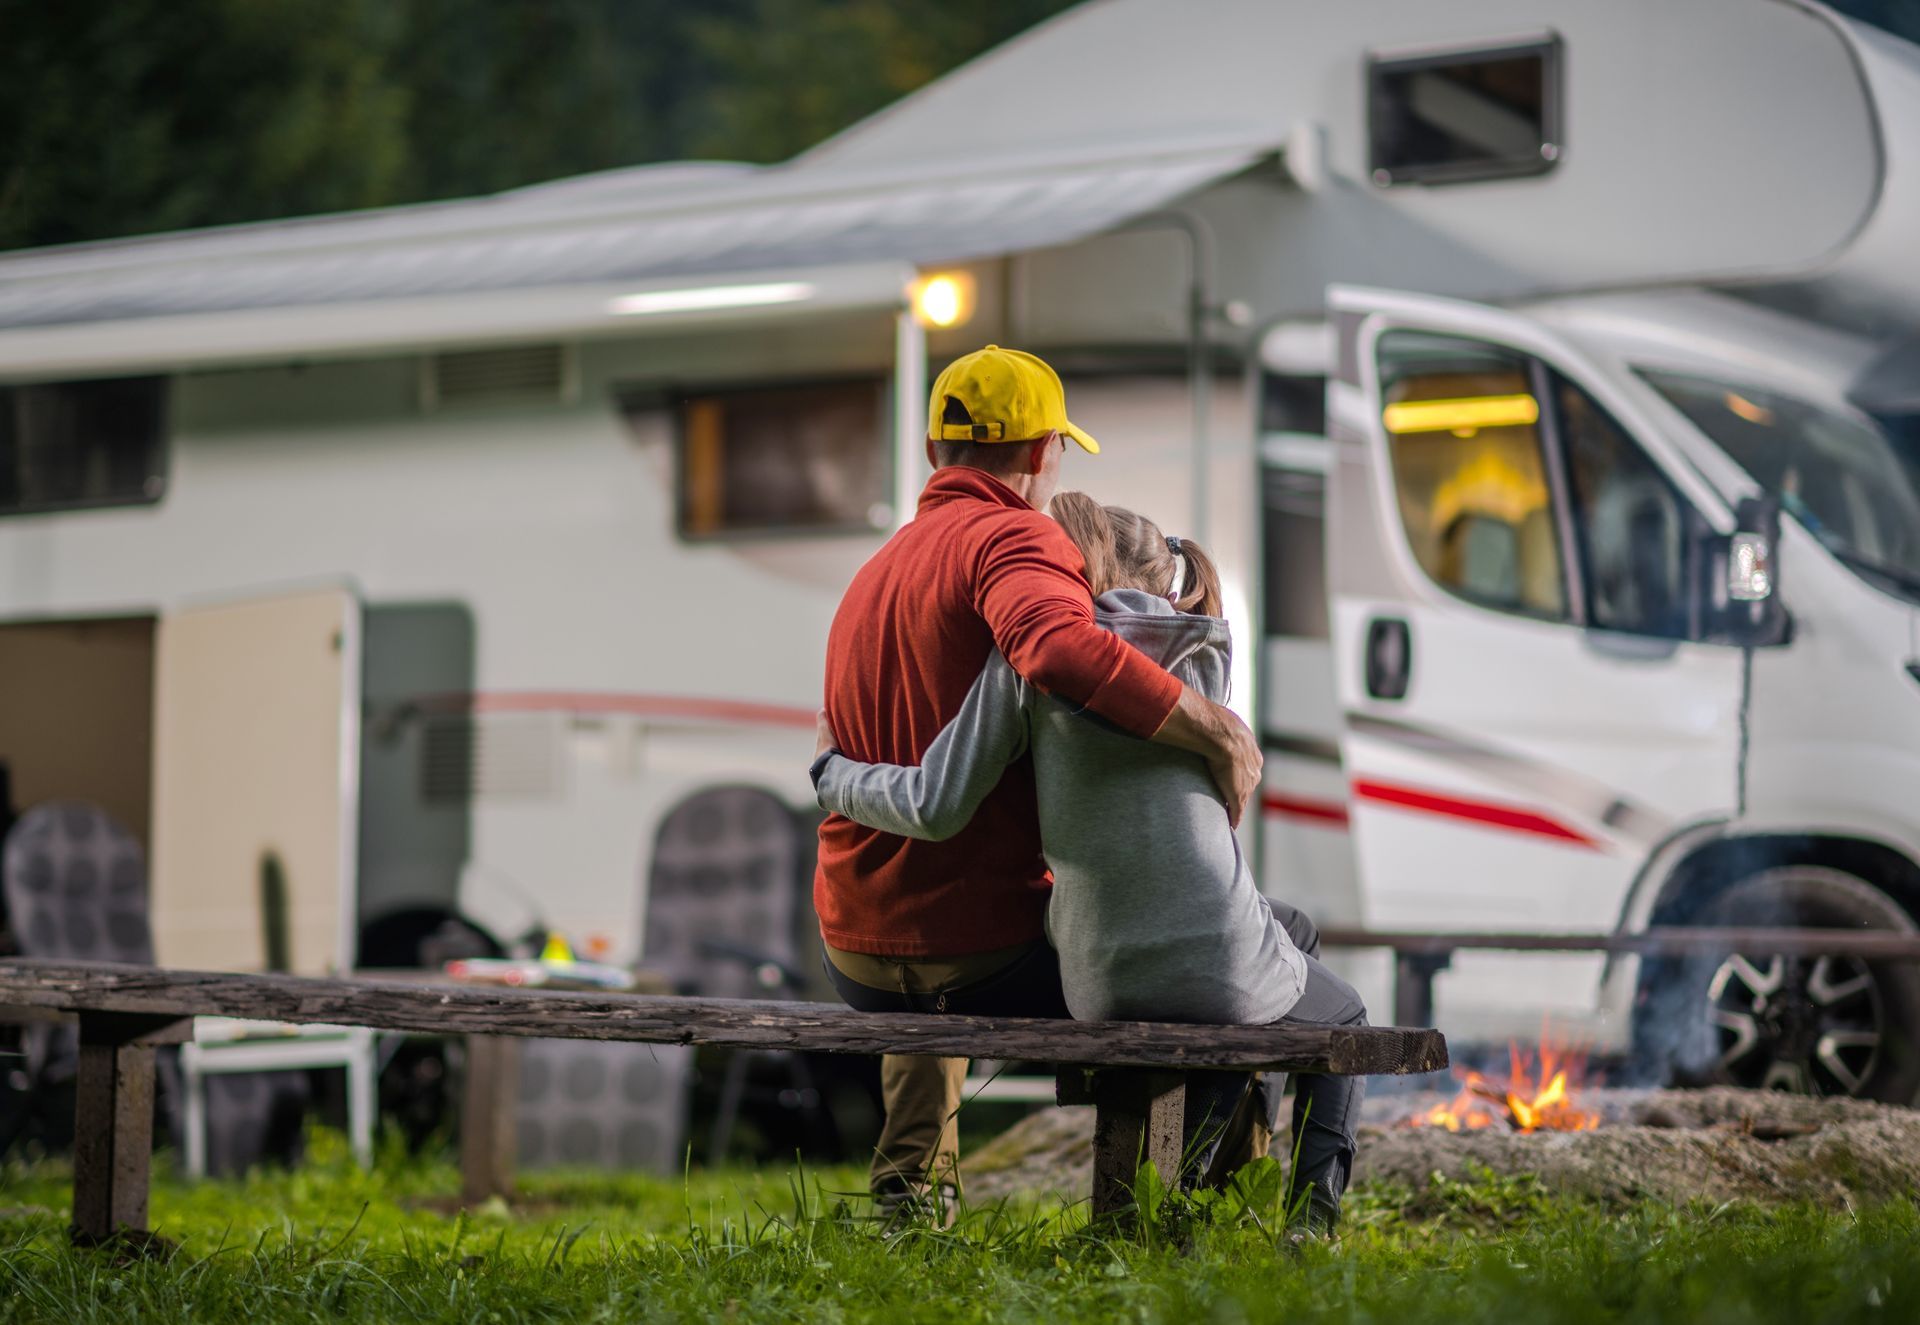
{"x":1532,"y":367}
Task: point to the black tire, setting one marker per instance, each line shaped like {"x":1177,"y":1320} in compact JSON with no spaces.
{"x":1822,"y":1025}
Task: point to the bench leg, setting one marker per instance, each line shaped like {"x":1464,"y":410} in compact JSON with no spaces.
{"x":491,"y":1117}
{"x":1137,"y":1118}
{"x":113,"y":1122}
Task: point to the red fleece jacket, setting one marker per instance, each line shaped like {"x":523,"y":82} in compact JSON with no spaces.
{"x":977,"y":568}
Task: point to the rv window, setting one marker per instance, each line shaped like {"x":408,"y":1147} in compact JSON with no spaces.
{"x":1295,"y":577}
{"x":74,"y":444}
{"x":1465,"y":115}
{"x":1635,"y":528}
{"x":1853,"y":485}
{"x":1463,"y":434}
{"x":783,"y":459}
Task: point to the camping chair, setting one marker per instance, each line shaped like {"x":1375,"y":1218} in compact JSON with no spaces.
{"x":721,"y":922}
{"x":76,"y":890}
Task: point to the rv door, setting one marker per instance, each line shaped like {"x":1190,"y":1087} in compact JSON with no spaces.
{"x":256,"y":773}
{"x":1528,"y":707}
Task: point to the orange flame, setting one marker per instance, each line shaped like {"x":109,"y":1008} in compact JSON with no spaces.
{"x":1537,"y":1095}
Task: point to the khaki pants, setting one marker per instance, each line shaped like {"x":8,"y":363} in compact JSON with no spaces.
{"x":920,"y":1140}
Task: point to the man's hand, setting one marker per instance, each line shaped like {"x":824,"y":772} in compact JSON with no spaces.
{"x":1216,"y":733}
{"x":823,"y":736}
{"x":1236,"y":769}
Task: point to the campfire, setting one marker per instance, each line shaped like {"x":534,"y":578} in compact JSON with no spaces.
{"x":1536,"y":1096}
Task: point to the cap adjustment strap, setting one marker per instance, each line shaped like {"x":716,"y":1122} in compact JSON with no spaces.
{"x":972,"y":432}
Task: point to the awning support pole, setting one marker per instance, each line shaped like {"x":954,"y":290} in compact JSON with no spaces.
{"x":909,"y":418}
{"x":1199,"y":311}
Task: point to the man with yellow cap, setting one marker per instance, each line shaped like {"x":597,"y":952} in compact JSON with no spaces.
{"x":958,"y":926}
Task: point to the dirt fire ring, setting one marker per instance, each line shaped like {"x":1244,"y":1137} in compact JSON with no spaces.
{"x":1673,"y":1146}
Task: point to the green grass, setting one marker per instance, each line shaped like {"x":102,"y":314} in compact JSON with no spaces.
{"x":330,"y":1243}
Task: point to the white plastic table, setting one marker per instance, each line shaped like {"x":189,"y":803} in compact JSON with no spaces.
{"x":223,"y":1045}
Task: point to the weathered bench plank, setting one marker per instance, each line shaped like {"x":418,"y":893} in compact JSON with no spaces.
{"x":728,"y":1023}
{"x":125,"y":1010}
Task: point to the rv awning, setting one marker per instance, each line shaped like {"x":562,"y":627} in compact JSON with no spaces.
{"x":162,"y":300}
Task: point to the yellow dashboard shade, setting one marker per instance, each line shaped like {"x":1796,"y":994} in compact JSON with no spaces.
{"x":1463,"y":415}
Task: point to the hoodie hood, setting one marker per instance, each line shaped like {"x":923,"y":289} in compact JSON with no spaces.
{"x":1196,"y":649}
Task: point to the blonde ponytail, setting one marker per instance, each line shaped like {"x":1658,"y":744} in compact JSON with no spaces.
{"x":1199,"y":579}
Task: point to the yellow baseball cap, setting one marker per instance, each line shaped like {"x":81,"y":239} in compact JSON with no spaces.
{"x":1009,"y":396}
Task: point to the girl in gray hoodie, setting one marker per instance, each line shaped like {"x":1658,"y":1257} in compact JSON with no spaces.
{"x":1154,"y":912}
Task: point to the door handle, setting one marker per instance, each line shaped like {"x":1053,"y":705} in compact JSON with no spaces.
{"x":1389,"y":658}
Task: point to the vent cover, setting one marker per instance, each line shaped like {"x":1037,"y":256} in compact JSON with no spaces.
{"x":507,"y":374}
{"x":465,"y":757}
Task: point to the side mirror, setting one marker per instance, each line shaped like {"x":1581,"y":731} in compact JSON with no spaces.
{"x":1750,"y":559}
{"x":1749,"y":576}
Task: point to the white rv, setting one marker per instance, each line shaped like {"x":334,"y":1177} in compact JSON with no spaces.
{"x":442,"y":551}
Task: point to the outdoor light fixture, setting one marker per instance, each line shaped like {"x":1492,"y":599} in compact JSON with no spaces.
{"x":943,"y":300}
{"x":1748,"y":410}
{"x":700,"y":298}
{"x":1461,"y":416}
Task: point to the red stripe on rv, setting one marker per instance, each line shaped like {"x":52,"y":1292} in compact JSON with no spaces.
{"x":1485,"y":813}
{"x":645,"y":706}
{"x":1331,"y":813}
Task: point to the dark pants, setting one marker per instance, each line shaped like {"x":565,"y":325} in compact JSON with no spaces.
{"x":1028,"y":986}
{"x":1326,"y":1109}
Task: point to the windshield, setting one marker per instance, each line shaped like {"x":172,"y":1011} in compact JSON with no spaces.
{"x":1839,"y":475}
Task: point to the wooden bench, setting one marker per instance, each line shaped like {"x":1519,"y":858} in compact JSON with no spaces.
{"x":1133,"y":1072}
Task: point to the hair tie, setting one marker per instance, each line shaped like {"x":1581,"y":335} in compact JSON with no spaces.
{"x":1173,"y":544}
{"x":1179,"y":571}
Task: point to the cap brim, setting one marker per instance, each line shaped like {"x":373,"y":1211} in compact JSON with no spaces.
{"x":1087,"y":443}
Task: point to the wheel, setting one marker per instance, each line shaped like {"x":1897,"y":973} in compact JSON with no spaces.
{"x":1813,"y":1025}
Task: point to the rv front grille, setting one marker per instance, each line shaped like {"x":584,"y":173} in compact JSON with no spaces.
{"x":505,"y":374}
{"x":467,"y":757}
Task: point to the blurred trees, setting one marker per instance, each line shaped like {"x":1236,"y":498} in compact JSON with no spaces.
{"x":141,"y":115}
{"x":508,"y":92}
{"x":132,"y":116}
{"x":798,"y":70}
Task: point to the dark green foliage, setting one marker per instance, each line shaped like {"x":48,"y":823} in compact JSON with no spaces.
{"x":507,"y":92}
{"x":798,"y":70}
{"x":145,"y":115}
{"x":135,"y":116}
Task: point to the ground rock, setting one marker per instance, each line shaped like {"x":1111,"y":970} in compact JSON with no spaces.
{"x":1047,"y":1153}
{"x":1712,"y":1145}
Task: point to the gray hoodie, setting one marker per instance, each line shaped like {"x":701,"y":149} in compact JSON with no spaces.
{"x":1154,"y":913}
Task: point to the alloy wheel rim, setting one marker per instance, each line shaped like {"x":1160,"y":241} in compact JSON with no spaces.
{"x":1812,"y":1026}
